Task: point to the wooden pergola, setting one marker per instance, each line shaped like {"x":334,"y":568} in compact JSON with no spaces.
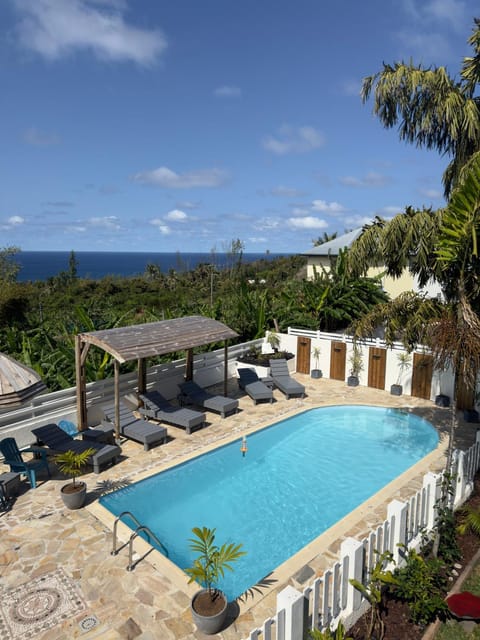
{"x":142,"y":341}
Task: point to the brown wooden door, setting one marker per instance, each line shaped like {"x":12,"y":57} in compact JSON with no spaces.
{"x":465,"y":395}
{"x":338,"y":358}
{"x":303,"y":354}
{"x":377,"y":363}
{"x":422,"y":375}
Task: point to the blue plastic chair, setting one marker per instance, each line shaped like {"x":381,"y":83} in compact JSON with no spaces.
{"x":13,"y":457}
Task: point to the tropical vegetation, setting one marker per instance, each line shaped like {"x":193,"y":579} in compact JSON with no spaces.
{"x":38,"y":320}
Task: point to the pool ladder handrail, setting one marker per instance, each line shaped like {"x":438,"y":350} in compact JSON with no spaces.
{"x":135,"y":534}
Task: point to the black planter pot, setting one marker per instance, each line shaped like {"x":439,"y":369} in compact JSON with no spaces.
{"x":442,"y":400}
{"x":316,"y":373}
{"x":396,"y":389}
{"x":470,"y":415}
{"x":352,"y":381}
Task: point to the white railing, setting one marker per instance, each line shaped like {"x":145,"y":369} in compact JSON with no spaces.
{"x":343,"y":337}
{"x":51,"y":407}
{"x":332,"y":598}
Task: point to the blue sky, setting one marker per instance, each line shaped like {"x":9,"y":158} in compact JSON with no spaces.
{"x":180,"y":125}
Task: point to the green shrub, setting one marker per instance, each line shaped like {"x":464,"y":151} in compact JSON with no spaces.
{"x":422,"y":584}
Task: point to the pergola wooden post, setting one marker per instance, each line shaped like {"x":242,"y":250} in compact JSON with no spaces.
{"x":81,"y":350}
{"x":116,"y":372}
{"x":189,"y":364}
{"x":225,"y":368}
{"x":142,"y":375}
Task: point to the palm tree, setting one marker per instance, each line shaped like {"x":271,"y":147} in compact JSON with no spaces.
{"x":448,"y":253}
{"x":432,"y":109}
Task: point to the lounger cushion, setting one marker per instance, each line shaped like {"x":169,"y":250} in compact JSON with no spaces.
{"x":206,"y":400}
{"x":258,"y":391}
{"x":282,"y":379}
{"x":135,"y":428}
{"x":159,"y":408}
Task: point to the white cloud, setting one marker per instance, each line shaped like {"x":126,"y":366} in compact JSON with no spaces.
{"x":452,"y":11}
{"x":300,"y":211}
{"x":372,"y":179}
{"x":424,"y":44}
{"x":434,"y":194}
{"x":76,"y":229}
{"x":177,"y":216}
{"x":266,"y":224}
{"x":15,"y":220}
{"x":423,"y":37}
{"x":390,"y":210}
{"x":351,"y":88}
{"x":294,"y":140}
{"x":11,"y":222}
{"x":54,"y":28}
{"x":106,"y":222}
{"x":308,"y":222}
{"x":286,"y":192}
{"x":161,"y":226}
{"x":168,"y":179}
{"x":40,"y":138}
{"x":258,"y":239}
{"x":187,"y":204}
{"x":330,"y":207}
{"x":227,"y":91}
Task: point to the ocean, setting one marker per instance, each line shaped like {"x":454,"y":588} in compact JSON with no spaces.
{"x":41,"y":265}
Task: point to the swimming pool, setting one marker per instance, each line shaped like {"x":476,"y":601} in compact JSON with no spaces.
{"x":298,"y":478}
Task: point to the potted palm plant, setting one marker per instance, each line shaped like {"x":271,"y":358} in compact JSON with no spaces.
{"x":404,"y":361}
{"x":317,"y":372}
{"x":356,"y":366}
{"x":72,"y":464}
{"x":209,"y":605}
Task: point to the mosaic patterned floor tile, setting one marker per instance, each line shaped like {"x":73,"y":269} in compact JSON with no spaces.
{"x":38,"y":605}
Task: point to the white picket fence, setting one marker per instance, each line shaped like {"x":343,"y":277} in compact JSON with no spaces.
{"x":332,"y":598}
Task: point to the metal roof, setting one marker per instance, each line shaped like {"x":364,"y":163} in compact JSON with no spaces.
{"x":156,"y":338}
{"x":333,"y":247}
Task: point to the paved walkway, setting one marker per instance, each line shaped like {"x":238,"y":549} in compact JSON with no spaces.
{"x":40,"y":540}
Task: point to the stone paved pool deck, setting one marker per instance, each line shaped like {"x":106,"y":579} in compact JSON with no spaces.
{"x":39,"y":536}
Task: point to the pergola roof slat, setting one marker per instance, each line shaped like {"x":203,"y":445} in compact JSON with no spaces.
{"x":157,"y":338}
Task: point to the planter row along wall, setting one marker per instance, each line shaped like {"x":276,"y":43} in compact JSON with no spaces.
{"x":375,"y":355}
{"x":331,"y":598}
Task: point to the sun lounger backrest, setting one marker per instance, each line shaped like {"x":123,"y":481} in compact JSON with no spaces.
{"x":193,"y":390}
{"x":52,"y":436}
{"x":155,"y":399}
{"x":279,"y":368}
{"x":246,"y":376}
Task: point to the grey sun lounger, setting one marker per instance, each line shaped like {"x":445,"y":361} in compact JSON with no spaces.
{"x":197,"y":395}
{"x":253,"y":385}
{"x":159,"y":408}
{"x":282,"y":379}
{"x":134,"y":428}
{"x":58,"y":442}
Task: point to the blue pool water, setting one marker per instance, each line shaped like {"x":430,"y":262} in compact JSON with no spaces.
{"x":298,"y":478}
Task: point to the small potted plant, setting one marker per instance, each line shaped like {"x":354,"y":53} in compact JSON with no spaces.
{"x":356,"y":366}
{"x":273,"y":340}
{"x":404,"y":361}
{"x":317,"y":372}
{"x":209,"y":605}
{"x":72,"y":464}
